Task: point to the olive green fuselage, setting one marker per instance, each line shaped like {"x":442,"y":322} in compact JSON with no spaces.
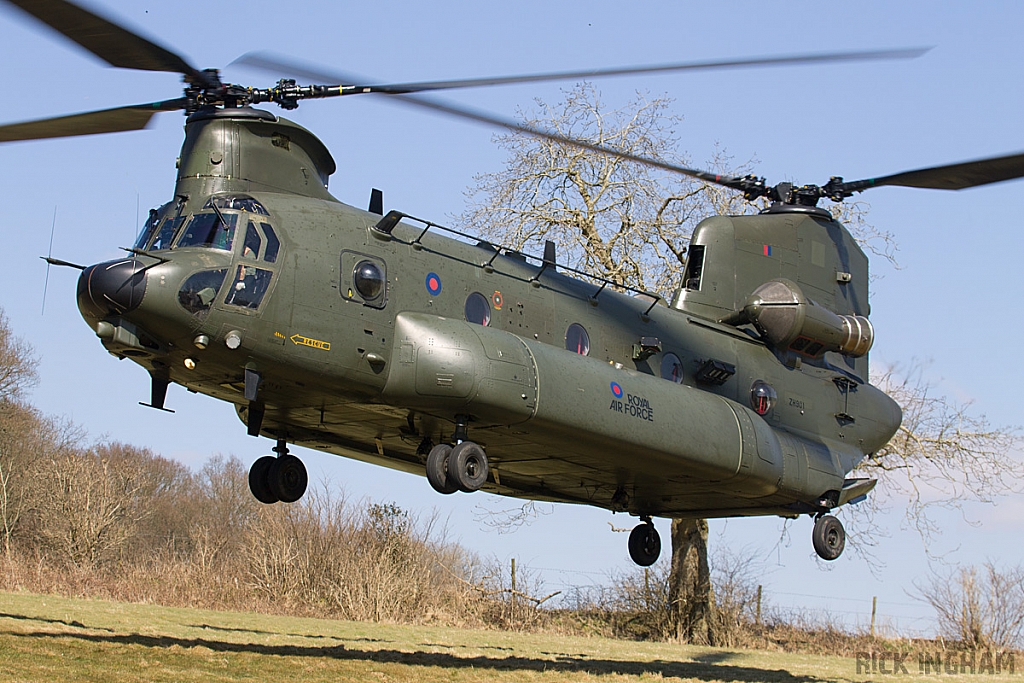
{"x":382,"y":378}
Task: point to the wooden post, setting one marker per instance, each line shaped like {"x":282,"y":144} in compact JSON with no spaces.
{"x":513,"y":608}
{"x":757,"y":618}
{"x":874,"y":609}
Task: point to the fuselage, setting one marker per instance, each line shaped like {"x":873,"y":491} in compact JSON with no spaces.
{"x":369,"y":344}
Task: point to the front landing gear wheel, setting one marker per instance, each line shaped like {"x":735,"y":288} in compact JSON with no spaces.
{"x":828,"y":537}
{"x":437,"y":469}
{"x":259,"y":480}
{"x":467,"y":466}
{"x":644,"y":544}
{"x":287,"y":478}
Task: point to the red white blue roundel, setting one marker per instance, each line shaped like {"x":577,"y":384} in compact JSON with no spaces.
{"x":616,"y":390}
{"x":433,"y":284}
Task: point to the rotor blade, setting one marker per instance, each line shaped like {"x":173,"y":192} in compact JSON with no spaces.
{"x":134,"y":117}
{"x":493,"y":120}
{"x":268,"y":62}
{"x":953,"y":176}
{"x":110,"y":42}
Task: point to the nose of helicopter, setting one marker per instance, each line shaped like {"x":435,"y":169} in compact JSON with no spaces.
{"x":111,"y":288}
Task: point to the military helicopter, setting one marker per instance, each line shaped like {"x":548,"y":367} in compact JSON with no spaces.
{"x":394,"y":340}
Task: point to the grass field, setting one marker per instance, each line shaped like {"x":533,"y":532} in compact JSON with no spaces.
{"x":47,"y":638}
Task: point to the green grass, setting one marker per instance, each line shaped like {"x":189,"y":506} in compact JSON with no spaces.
{"x":48,"y":638}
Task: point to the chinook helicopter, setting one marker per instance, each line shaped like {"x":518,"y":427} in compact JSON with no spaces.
{"x":394,"y":340}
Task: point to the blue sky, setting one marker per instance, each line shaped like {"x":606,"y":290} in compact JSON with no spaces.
{"x":954,"y":303}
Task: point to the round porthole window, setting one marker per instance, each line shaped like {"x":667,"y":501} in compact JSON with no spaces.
{"x":369,"y":280}
{"x":577,"y":340}
{"x":762,"y":397}
{"x":477,"y":309}
{"x":672,"y":368}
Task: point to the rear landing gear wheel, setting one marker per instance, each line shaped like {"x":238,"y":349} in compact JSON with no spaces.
{"x":437,"y":469}
{"x":287,"y":478}
{"x":644,"y":544}
{"x":828,"y":537}
{"x":467,"y":466}
{"x":259,"y":480}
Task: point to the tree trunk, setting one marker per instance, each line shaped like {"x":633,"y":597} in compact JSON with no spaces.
{"x":689,"y":584}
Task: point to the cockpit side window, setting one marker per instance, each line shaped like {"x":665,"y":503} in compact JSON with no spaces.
{"x":148,"y":229}
{"x":248,"y":287}
{"x":209,"y":230}
{"x":253,"y":242}
{"x":273,"y":244}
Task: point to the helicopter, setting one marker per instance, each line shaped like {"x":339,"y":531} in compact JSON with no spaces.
{"x":394,"y":340}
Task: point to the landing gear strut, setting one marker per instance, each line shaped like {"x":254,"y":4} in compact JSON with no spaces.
{"x":644,"y":543}
{"x":828,"y":537}
{"x":282,"y":478}
{"x":462,"y":467}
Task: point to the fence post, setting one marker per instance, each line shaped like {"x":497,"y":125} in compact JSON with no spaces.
{"x":513,"y":590}
{"x":757,"y":618}
{"x":874,"y":608}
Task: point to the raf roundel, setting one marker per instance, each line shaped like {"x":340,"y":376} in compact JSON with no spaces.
{"x":616,"y":390}
{"x":433,"y":284}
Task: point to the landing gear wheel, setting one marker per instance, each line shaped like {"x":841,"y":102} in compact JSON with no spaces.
{"x":828,"y":537}
{"x":259,"y":480}
{"x":437,"y":469}
{"x":467,"y":466}
{"x":287,"y":478}
{"x":644,"y":544}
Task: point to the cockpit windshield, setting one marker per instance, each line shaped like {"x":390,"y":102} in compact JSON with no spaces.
{"x":216,"y":230}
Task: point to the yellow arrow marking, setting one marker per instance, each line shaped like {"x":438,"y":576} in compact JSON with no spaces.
{"x":299,"y":340}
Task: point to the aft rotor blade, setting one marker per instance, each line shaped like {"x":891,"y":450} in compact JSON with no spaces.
{"x":110,"y":42}
{"x":134,"y":117}
{"x":953,"y":176}
{"x":266,"y":61}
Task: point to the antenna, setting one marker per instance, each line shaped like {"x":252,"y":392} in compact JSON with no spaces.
{"x":49,"y":255}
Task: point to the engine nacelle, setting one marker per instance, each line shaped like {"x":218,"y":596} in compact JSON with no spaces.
{"x":789,"y":320}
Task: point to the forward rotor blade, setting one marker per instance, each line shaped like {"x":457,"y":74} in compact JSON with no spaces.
{"x":493,"y":120}
{"x":110,"y":42}
{"x":134,"y":117}
{"x":268,"y":62}
{"x":953,"y":176}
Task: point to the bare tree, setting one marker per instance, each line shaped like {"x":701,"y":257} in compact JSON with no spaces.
{"x":944,"y":454}
{"x":17,"y":363}
{"x":979,"y":608}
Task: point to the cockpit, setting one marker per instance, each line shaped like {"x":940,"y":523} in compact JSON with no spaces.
{"x":235,"y":224}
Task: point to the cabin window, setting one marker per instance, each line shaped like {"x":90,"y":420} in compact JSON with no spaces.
{"x":214,"y":230}
{"x":672,"y":368}
{"x":762,"y":397}
{"x":369,"y":280}
{"x":248,"y":287}
{"x":477,"y":309}
{"x":577,"y":340}
{"x":200,"y":289}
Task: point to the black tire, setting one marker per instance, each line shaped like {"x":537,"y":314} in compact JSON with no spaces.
{"x":828,"y":537}
{"x":259,"y":480}
{"x":287,"y":478}
{"x":644,"y":544}
{"x":437,"y":469}
{"x":467,"y":466}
